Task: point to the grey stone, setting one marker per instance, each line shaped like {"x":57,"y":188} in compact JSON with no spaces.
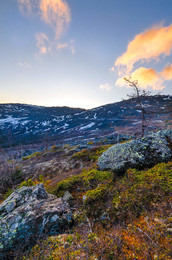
{"x":67,"y":196}
{"x":28,"y":214}
{"x":143,"y":152}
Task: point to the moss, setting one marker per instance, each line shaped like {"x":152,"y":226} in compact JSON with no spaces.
{"x":27,"y":183}
{"x":96,"y":194}
{"x":95,"y":174}
{"x":31,"y":156}
{"x":90,"y":155}
{"x":8,"y":193}
{"x":65,"y":185}
{"x":140,"y":189}
{"x":127,"y":205}
{"x":84,"y":181}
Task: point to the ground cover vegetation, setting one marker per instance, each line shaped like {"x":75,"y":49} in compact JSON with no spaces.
{"x":116,"y":216}
{"x":123,"y":218}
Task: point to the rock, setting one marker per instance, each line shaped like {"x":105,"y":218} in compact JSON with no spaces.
{"x":67,"y":197}
{"x":30,"y":213}
{"x":139,"y":153}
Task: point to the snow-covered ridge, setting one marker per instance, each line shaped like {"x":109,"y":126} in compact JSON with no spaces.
{"x":27,"y":122}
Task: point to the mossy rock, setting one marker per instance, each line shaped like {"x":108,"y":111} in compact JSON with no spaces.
{"x":139,"y":153}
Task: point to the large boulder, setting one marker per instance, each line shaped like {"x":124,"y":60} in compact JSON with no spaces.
{"x":30,"y":213}
{"x":139,"y":153}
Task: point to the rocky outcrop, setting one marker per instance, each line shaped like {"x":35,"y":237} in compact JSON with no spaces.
{"x":139,"y":153}
{"x":30,"y":213}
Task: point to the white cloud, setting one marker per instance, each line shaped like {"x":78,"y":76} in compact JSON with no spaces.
{"x":24,"y":65}
{"x":106,"y":86}
{"x":66,"y":45}
{"x":43,"y":43}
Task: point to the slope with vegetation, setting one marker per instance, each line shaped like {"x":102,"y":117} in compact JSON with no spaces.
{"x":115,"y":216}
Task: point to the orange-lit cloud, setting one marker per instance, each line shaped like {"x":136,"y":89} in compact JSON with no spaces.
{"x":55,"y":13}
{"x":106,"y":86}
{"x":147,"y":46}
{"x":146,"y":78}
{"x":167,"y":72}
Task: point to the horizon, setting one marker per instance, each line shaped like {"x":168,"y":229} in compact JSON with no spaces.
{"x":63,"y":53}
{"x":128,"y":98}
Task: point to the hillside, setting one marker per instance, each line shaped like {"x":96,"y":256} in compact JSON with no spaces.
{"x":26,"y":124}
{"x":88,"y":187}
{"x":94,"y":213}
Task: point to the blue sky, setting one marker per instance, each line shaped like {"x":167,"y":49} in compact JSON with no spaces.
{"x":76,"y":52}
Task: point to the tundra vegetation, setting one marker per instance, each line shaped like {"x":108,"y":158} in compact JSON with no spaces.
{"x":124,"y":215}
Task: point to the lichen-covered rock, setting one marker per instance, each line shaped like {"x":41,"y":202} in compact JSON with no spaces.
{"x":67,"y":197}
{"x":138,"y":153}
{"x":29,"y":213}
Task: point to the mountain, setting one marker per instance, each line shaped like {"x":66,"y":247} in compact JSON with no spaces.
{"x":21,"y":123}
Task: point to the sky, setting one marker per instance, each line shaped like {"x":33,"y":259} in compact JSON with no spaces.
{"x":77,"y":52}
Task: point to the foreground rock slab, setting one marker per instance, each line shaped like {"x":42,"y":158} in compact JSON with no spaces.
{"x":139,"y":153}
{"x":30,"y":213}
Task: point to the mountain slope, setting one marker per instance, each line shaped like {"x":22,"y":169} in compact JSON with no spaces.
{"x":20,"y":123}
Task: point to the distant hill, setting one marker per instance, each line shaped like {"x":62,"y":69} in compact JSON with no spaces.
{"x":21,"y":123}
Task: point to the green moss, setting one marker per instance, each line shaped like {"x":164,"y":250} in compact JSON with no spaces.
{"x":107,"y":203}
{"x":27,"y":183}
{"x":68,"y":184}
{"x":31,"y":156}
{"x":95,"y":174}
{"x":139,"y":189}
{"x":84,"y":181}
{"x":92,"y":154}
{"x":96,"y":194}
{"x":8,"y":193}
{"x":126,"y":196}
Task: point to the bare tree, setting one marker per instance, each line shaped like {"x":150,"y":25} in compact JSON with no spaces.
{"x":138,"y":93}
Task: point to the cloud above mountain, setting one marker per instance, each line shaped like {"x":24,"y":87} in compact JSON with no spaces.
{"x":167,"y":72}
{"x":150,"y":45}
{"x":147,"y":46}
{"x":146,"y":78}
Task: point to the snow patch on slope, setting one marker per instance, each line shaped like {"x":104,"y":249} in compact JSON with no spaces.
{"x":86,"y":126}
